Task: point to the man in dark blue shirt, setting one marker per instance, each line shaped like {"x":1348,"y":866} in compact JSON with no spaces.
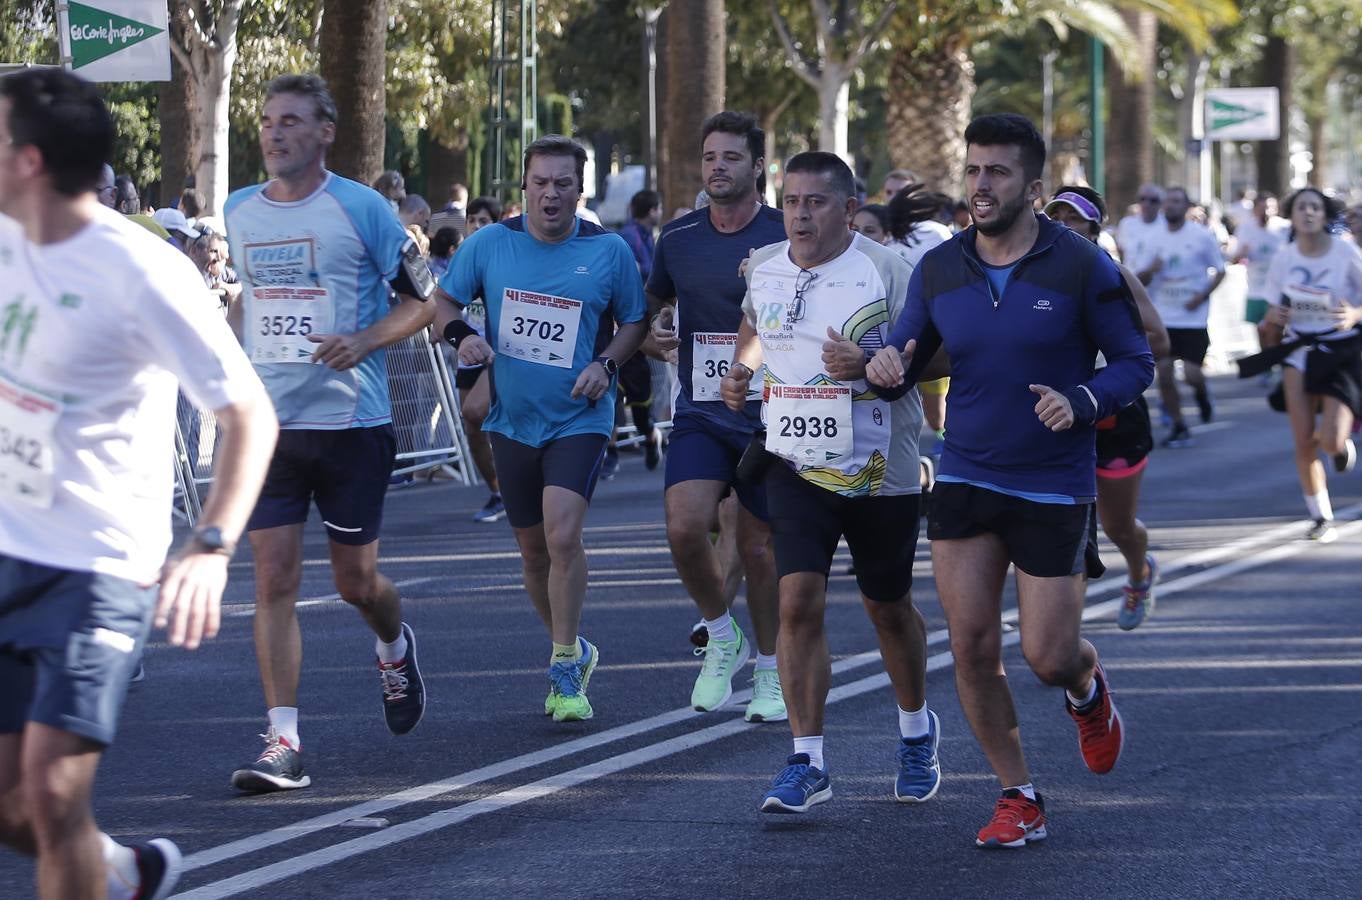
{"x":695,"y":275}
{"x":1021,"y":306}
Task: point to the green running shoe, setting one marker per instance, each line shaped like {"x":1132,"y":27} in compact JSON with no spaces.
{"x":714,"y":684}
{"x":768,"y":702}
{"x":568,"y":682}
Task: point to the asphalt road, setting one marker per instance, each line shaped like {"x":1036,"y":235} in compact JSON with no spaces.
{"x":1240,"y":696}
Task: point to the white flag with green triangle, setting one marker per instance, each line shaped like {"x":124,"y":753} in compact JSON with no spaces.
{"x":1242,"y":114}
{"x":116,"y":40}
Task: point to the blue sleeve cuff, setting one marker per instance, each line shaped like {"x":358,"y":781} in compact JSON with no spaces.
{"x":1084,"y":404}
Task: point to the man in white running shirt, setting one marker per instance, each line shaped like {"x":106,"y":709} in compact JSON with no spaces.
{"x":99,"y":321}
{"x":1135,"y":234}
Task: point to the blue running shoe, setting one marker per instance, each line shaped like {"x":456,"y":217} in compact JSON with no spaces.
{"x":919,"y":768}
{"x":797,"y":787}
{"x":1139,"y":599}
{"x":569,"y":680}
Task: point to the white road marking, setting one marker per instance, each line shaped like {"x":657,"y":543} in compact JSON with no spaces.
{"x":256,"y":878}
{"x":248,"y":609}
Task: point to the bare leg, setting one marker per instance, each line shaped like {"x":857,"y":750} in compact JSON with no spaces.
{"x":1168,"y":391}
{"x":564,"y":513}
{"x":474,"y":406}
{"x":902,"y":635}
{"x":692,"y":510}
{"x":759,"y":563}
{"x":278,"y":642}
{"x":802,"y":651}
{"x":534,"y":565}
{"x":1300,"y":409}
{"x":1335,"y":427}
{"x":58,"y":778}
{"x":1116,"y":502}
{"x":368,"y":590}
{"x":1051,"y":612}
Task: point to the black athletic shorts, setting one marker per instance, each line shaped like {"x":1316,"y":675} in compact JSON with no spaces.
{"x":1045,"y":540}
{"x":572,"y":462}
{"x":69,"y":642}
{"x":636,"y":380}
{"x":807,"y":522}
{"x":1124,"y":440}
{"x":345,"y":471}
{"x":464,"y":379}
{"x":1189,"y":344}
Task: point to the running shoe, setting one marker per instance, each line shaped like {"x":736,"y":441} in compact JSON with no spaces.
{"x":714,"y":684}
{"x":158,"y":868}
{"x":1101,"y":734}
{"x":404,"y":692}
{"x":1323,"y":531}
{"x":1205,"y":406}
{"x":919,"y":775}
{"x":798,"y":787}
{"x":1139,"y":602}
{"x":569,"y":681}
{"x":491,"y":511}
{"x":140,"y":675}
{"x":1017,"y":821}
{"x":699,"y":634}
{"x":651,"y":454}
{"x":768,"y":701}
{"x":1345,"y":461}
{"x":1180,"y":436}
{"x":278,"y":768}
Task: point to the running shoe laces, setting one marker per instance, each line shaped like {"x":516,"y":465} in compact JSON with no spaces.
{"x":717,"y":655}
{"x":767,"y":689}
{"x":791,"y":776}
{"x":1012,"y":808}
{"x":917,"y":754}
{"x":394,"y":677}
{"x":276,"y":748}
{"x":566,"y":678}
{"x":1133,"y":597}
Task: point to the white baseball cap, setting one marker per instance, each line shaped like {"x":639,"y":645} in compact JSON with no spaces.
{"x":173,"y":220}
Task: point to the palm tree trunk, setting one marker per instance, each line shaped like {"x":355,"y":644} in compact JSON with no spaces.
{"x":927,"y":110}
{"x":175,"y":101}
{"x":1130,"y":116}
{"x":695,"y":91}
{"x":1274,"y":157}
{"x":353,"y":45}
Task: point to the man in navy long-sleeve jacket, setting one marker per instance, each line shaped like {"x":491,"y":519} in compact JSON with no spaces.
{"x":1021,"y":306}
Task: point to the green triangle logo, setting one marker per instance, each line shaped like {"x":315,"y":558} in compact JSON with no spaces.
{"x":1223,"y":114}
{"x":97,"y":33}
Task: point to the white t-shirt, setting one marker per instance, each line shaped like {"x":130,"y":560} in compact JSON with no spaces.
{"x":1314,"y":285}
{"x":95,"y":333}
{"x":1135,"y":237}
{"x":1188,"y":254}
{"x":923,"y":237}
{"x":1257,"y":244}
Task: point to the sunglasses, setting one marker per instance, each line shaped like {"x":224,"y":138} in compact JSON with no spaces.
{"x":803,"y":281}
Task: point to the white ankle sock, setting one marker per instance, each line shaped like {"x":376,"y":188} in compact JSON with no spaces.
{"x":1319,"y":506}
{"x":120,"y":864}
{"x":1026,"y":789}
{"x":765,"y":662}
{"x":720,"y":629}
{"x":284,"y":721}
{"x":394,"y":652}
{"x":1092,"y":692}
{"x":914,"y":724}
{"x":814,"y":747}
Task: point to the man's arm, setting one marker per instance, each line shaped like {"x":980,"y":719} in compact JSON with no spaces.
{"x":345,"y":351}
{"x":747,"y":356}
{"x":1112,"y":320}
{"x":1149,"y":316}
{"x":594,"y":380}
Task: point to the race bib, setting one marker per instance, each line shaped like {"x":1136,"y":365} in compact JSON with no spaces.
{"x":475,"y":314}
{"x":539,"y":328}
{"x":283,"y":317}
{"x":809,"y":424}
{"x":28,"y":422}
{"x":711,"y":354}
{"x":1173,"y":294}
{"x":1311,"y":309}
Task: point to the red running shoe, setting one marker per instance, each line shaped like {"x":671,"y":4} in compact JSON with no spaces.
{"x":1016,"y":822}
{"x":1101,"y":735}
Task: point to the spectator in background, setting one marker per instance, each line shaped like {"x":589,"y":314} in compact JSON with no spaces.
{"x":181,"y":232}
{"x":912,"y":223}
{"x":960,"y":216}
{"x":645,"y":212}
{"x":107,"y":189}
{"x":127,"y":200}
{"x":1353,"y":218}
{"x":483,"y":211}
{"x":895,"y":181}
{"x":442,"y":247}
{"x":414,"y":214}
{"x":513,"y":209}
{"x":453,"y":214}
{"x":392,"y":186}
{"x":209,"y":253}
{"x":192,"y":203}
{"x":586,"y":212}
{"x":872,"y":221}
{"x":1138,"y":233}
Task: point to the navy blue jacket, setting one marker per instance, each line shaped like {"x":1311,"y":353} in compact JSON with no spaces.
{"x":1065,"y":301}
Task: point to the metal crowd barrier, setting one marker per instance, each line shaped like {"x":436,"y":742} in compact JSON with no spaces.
{"x":426,"y":421}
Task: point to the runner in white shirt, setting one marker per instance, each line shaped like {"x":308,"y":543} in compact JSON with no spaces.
{"x":1257,"y":238}
{"x":1315,"y":287}
{"x":85,"y":476}
{"x":1135,"y":233}
{"x":1182,"y":268}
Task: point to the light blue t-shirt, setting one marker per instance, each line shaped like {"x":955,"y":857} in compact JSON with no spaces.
{"x":315,"y":266}
{"x":546,"y":304}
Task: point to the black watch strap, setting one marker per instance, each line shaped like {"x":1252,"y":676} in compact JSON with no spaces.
{"x":611,"y":367}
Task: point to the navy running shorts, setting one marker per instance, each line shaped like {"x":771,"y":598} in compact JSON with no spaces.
{"x":1189,"y":344}
{"x":345,"y":472}
{"x":572,"y":462}
{"x":1044,"y":540}
{"x":69,"y":643}
{"x":808,"y":521}
{"x":698,"y":450}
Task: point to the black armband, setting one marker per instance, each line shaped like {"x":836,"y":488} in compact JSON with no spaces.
{"x":456,"y":331}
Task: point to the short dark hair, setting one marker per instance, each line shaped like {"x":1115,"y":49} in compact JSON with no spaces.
{"x":308,"y":85}
{"x":556,"y":145}
{"x":445,"y":240}
{"x":1010,"y":129}
{"x":389,"y":180}
{"x":1181,"y":190}
{"x":192,"y":203}
{"x":1333,"y":207}
{"x":820,"y":162}
{"x":643,"y":203}
{"x":64,"y":117}
{"x":489,"y":205}
{"x":742,"y":124}
{"x":877,"y":210}
{"x":125,"y":192}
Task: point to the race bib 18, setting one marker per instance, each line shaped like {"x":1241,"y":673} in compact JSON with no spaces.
{"x":538,"y":328}
{"x":282,"y":318}
{"x":28,"y":422}
{"x":809,"y":424}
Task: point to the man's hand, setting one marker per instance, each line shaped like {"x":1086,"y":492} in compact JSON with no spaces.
{"x":339,"y":351}
{"x":592,"y":383}
{"x":734,"y":386}
{"x":475,"y":351}
{"x":842,"y":359}
{"x":1346,"y":316}
{"x":1197,"y":299}
{"x":1053,"y":409}
{"x":664,"y":330}
{"x":191,"y":590}
{"x":742,"y":266}
{"x":1277,"y":315}
{"x":887,"y":366}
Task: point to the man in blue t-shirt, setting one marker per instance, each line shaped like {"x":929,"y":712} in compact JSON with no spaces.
{"x":696,"y":294}
{"x":550,"y":282}
{"x":317,"y":256}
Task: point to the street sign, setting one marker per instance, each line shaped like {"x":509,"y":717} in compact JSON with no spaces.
{"x":1242,"y":114}
{"x":116,"y":40}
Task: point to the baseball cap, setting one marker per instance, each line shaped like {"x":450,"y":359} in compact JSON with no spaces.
{"x":173,"y":220}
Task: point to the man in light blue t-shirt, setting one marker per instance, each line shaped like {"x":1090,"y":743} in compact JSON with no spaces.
{"x":318,"y":255}
{"x":550,"y":283}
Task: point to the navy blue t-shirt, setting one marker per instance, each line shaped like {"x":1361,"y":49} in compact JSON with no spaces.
{"x":698,"y":265}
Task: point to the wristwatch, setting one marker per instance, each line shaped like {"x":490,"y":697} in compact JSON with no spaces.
{"x":611,"y":367}
{"x":210,"y":539}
